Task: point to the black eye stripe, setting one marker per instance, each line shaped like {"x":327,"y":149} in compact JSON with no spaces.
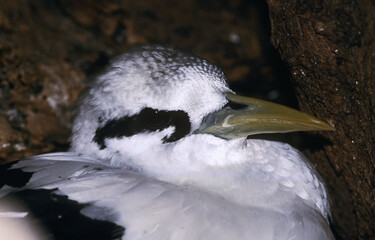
{"x":148,"y":120}
{"x":154,"y":120}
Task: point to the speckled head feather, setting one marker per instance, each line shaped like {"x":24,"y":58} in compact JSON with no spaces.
{"x":159,"y":77}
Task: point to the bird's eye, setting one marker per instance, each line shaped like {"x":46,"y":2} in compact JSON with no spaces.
{"x":235,"y":106}
{"x":154,"y":119}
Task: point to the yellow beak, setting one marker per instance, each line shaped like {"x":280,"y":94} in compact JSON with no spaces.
{"x":250,"y":116}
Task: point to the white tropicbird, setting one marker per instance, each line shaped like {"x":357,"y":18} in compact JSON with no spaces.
{"x":159,"y":151}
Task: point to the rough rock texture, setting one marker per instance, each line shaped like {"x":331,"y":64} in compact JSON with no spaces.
{"x":49,"y":47}
{"x":330,"y":49}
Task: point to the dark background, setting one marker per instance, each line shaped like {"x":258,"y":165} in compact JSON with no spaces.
{"x":312,"y":54}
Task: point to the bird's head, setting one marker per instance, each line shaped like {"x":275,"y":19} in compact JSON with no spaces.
{"x":154,"y":97}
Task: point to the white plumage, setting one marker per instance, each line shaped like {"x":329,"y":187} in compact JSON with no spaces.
{"x":158,"y":185}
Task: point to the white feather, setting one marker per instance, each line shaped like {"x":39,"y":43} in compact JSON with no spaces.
{"x":155,"y":209}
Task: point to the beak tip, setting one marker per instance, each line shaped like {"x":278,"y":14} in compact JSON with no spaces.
{"x":324,"y":126}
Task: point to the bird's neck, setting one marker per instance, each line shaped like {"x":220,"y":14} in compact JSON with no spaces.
{"x":249,"y":172}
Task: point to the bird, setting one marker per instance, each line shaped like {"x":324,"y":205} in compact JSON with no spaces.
{"x":160,"y":150}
